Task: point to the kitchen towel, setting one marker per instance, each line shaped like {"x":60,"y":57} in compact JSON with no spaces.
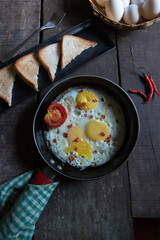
{"x":21,"y":204}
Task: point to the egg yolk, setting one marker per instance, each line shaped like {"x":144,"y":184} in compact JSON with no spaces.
{"x":78,"y":144}
{"x":82,"y":148}
{"x":74,"y":133}
{"x":96,"y":130}
{"x":87,"y":100}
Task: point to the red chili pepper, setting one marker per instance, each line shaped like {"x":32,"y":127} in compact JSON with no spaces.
{"x":71,"y":158}
{"x":138,"y":92}
{"x":152,"y":81}
{"x":103,"y":117}
{"x":78,"y":107}
{"x":65,"y":135}
{"x":102,"y":134}
{"x":85,"y":115}
{"x":94,"y":100}
{"x":149,"y":83}
{"x":107,"y":140}
{"x":76,"y":148}
{"x":91,"y":116}
{"x":154,"y":86}
{"x":83,"y":104}
{"x":70,"y":126}
{"x":76,"y":139}
{"x":150,"y":88}
{"x":95,"y":151}
{"x":54,"y":140}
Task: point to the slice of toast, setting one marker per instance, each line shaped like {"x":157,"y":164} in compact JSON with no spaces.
{"x":73,"y":46}
{"x":7,"y":78}
{"x":49,"y":57}
{"x":27,"y":68}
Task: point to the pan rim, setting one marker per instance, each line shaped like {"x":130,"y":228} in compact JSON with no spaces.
{"x":59,"y":82}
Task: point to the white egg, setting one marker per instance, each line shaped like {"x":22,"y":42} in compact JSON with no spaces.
{"x":150,"y":9}
{"x":114,"y":10}
{"x":137,"y":2}
{"x":131,"y":14}
{"x":101,"y":3}
{"x":126,"y":3}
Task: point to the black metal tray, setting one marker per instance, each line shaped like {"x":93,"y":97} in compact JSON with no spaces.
{"x":90,"y":29}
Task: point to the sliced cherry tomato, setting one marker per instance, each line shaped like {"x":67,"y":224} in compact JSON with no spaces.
{"x":56,"y":115}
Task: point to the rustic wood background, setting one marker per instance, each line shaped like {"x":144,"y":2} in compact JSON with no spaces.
{"x":101,"y":209}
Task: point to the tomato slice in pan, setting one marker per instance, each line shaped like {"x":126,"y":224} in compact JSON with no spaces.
{"x":56,"y":115}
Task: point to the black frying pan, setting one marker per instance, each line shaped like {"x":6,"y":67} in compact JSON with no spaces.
{"x":132,"y":129}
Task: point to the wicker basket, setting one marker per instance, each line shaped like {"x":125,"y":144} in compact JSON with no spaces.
{"x":99,"y":12}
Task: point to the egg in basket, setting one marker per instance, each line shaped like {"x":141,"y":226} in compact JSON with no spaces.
{"x":127,"y":14}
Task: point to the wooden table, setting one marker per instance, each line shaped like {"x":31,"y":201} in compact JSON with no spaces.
{"x":100,"y":209}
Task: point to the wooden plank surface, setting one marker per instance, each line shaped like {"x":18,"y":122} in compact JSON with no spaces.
{"x":143,"y":47}
{"x":98,"y":209}
{"x":17,"y":21}
{"x":92,"y":209}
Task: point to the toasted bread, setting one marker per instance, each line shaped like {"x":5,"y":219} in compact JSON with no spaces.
{"x":7,"y":77}
{"x":27,"y":68}
{"x":49,"y":57}
{"x":73,"y":46}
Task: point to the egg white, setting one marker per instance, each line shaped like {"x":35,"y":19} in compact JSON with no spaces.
{"x":114,"y":119}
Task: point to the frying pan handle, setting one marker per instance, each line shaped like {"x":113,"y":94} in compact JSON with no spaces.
{"x":44,"y":178}
{"x":40,"y":179}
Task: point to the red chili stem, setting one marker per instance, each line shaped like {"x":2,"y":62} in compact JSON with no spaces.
{"x":138,"y":92}
{"x":138,"y":67}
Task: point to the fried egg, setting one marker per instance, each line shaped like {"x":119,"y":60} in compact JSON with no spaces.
{"x":93,"y":131}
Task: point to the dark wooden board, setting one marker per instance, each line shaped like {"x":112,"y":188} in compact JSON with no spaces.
{"x":18,"y":19}
{"x":143,"y":47}
{"x":87,"y":210}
